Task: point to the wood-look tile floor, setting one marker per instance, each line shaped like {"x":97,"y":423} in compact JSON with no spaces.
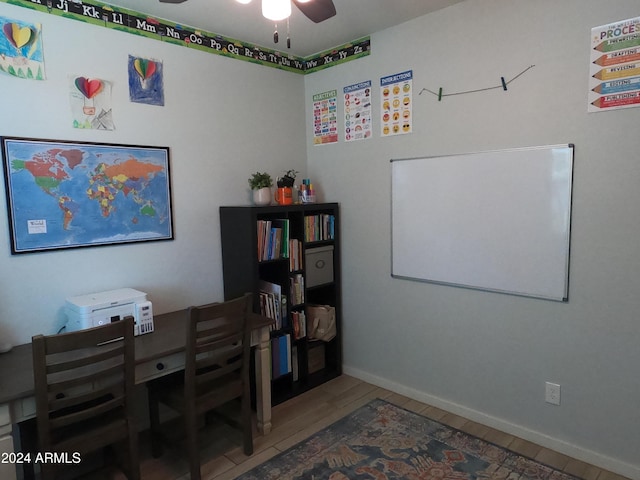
{"x":296,"y":419}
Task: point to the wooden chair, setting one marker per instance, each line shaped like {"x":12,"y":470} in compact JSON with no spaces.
{"x":84,"y":394}
{"x":216,"y":371}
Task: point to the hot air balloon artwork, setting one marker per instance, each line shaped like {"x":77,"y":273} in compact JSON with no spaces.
{"x":91,"y":103}
{"x":89,"y":88}
{"x":145,"y":81}
{"x":21,"y":49}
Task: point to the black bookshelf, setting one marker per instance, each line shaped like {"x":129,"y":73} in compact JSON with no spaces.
{"x":313,"y":362}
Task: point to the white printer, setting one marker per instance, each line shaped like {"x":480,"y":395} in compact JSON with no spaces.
{"x":95,"y":309}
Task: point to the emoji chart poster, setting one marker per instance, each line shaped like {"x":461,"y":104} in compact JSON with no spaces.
{"x":357,"y":111}
{"x":145,"y":81}
{"x":325,"y":118}
{"x":21,"y":49}
{"x":614,"y":80}
{"x":91,"y":103}
{"x":395,"y":98}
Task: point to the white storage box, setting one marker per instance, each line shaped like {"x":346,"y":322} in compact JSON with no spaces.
{"x":319,"y":265}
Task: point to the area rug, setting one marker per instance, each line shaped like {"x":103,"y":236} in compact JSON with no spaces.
{"x":381,"y":441}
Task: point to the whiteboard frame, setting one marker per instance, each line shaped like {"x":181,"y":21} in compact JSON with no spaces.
{"x":564,"y":296}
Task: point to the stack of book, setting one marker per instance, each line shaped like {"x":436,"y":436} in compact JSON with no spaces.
{"x":299,"y":324}
{"x":295,"y":255}
{"x":280,"y":356}
{"x":273,"y":239}
{"x":319,"y":227}
{"x":296,"y":289}
{"x":273,"y":304}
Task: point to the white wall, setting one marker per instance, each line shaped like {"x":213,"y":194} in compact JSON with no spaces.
{"x":488,"y":355}
{"x":223,"y":119}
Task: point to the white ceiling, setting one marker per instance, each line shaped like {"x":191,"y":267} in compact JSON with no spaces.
{"x":354,"y":19}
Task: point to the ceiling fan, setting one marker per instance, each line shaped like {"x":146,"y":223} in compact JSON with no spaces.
{"x":279,"y":10}
{"x":315,"y":10}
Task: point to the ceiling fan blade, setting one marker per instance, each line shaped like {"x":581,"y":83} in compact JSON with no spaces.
{"x":317,"y":10}
{"x":172,"y":1}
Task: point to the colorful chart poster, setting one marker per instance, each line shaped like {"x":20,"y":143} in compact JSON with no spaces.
{"x":614,"y":80}
{"x":395,"y":94}
{"x":357,"y":111}
{"x":21,"y":49}
{"x":325,"y":118}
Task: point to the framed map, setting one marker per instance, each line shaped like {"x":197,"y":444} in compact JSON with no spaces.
{"x":64,"y":194}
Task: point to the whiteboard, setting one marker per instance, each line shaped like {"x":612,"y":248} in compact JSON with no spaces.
{"x":497,"y":220}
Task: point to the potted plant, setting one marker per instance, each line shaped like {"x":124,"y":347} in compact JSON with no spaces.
{"x":284,"y":195}
{"x":260,"y":183}
{"x":288,"y":179}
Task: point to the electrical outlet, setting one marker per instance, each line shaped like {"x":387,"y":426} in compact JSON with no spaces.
{"x":552,"y":393}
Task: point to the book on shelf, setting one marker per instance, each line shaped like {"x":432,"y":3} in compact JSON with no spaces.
{"x":285,"y":356}
{"x":273,"y":239}
{"x":296,"y":289}
{"x":274,"y":347}
{"x":284,"y":315}
{"x":319,"y":227}
{"x":299,"y":324}
{"x":283,"y":225}
{"x":262,"y":227}
{"x":270,"y":295}
{"x":295,"y":255}
{"x":294,"y":363}
{"x":280,"y":356}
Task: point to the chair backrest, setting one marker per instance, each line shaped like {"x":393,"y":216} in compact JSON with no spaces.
{"x":218,"y":352}
{"x":82,"y":378}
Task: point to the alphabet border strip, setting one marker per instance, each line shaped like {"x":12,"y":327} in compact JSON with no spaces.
{"x":129,"y":21}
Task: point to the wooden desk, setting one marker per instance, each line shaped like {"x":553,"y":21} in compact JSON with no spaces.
{"x":157,"y":354}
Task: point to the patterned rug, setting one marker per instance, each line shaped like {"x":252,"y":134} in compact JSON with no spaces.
{"x":381,"y":441}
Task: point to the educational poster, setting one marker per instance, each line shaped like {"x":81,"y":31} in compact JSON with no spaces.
{"x":396,"y":94}
{"x":65,"y":194}
{"x":91,"y":103}
{"x":21,"y":49}
{"x":145,"y":81}
{"x":325,"y":118}
{"x":614,"y":80}
{"x":357,"y":111}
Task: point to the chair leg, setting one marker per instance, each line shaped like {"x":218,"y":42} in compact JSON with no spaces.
{"x":154,"y":424}
{"x":28,"y":443}
{"x":247,"y":427}
{"x":192,"y":445}
{"x":134,"y":455}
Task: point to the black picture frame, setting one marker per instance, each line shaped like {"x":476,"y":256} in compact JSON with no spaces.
{"x":65,"y":194}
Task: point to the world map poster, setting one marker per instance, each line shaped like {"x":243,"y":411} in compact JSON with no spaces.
{"x":63,"y":194}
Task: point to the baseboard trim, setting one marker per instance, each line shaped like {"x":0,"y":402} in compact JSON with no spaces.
{"x":574,"y":451}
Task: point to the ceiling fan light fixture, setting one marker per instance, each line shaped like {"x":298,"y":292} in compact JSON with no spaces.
{"x":244,"y":2}
{"x":276,"y":10}
{"x":303,"y":1}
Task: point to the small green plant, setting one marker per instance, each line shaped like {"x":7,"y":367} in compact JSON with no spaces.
{"x":288,"y":179}
{"x":260,"y":180}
